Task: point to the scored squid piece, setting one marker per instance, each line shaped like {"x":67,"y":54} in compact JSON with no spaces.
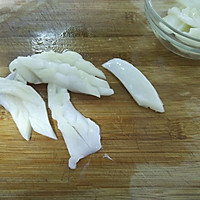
{"x":63,"y":72}
{"x":19,"y":114}
{"x":26,"y":107}
{"x":73,"y":59}
{"x":81,"y":135}
{"x":64,"y":75}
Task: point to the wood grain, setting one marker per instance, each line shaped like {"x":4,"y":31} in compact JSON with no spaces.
{"x":154,"y":156}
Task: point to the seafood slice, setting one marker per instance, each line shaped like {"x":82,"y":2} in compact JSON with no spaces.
{"x":73,"y":59}
{"x":190,"y":16}
{"x":19,"y":114}
{"x":190,"y":3}
{"x":81,"y":135}
{"x":63,"y":75}
{"x":136,"y":83}
{"x":26,"y":106}
{"x":173,"y":20}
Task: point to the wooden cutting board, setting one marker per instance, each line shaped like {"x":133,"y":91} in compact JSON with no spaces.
{"x":154,"y":156}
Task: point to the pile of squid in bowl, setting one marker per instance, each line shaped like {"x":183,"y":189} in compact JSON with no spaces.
{"x":176,"y":23}
{"x":64,"y":73}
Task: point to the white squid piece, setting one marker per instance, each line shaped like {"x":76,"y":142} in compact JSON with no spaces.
{"x":136,"y":83}
{"x":26,"y":107}
{"x":186,"y":19}
{"x":73,"y":59}
{"x":190,"y":16}
{"x":173,"y":20}
{"x":35,"y":70}
{"x":81,"y":135}
{"x":189,"y":3}
{"x":19,"y":114}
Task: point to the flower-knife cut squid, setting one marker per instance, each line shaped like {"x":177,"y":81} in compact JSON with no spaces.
{"x":27,"y":108}
{"x":81,"y":135}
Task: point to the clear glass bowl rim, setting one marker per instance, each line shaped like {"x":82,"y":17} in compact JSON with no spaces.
{"x":149,"y":5}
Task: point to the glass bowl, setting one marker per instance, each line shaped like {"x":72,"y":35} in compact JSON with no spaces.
{"x":177,"y":42}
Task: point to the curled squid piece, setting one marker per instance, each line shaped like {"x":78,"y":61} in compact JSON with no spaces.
{"x":81,"y":135}
{"x":36,"y":70}
{"x":136,"y":83}
{"x":26,"y":107}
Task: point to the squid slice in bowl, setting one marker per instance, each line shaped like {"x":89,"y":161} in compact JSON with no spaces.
{"x":190,"y":3}
{"x":136,"y":83}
